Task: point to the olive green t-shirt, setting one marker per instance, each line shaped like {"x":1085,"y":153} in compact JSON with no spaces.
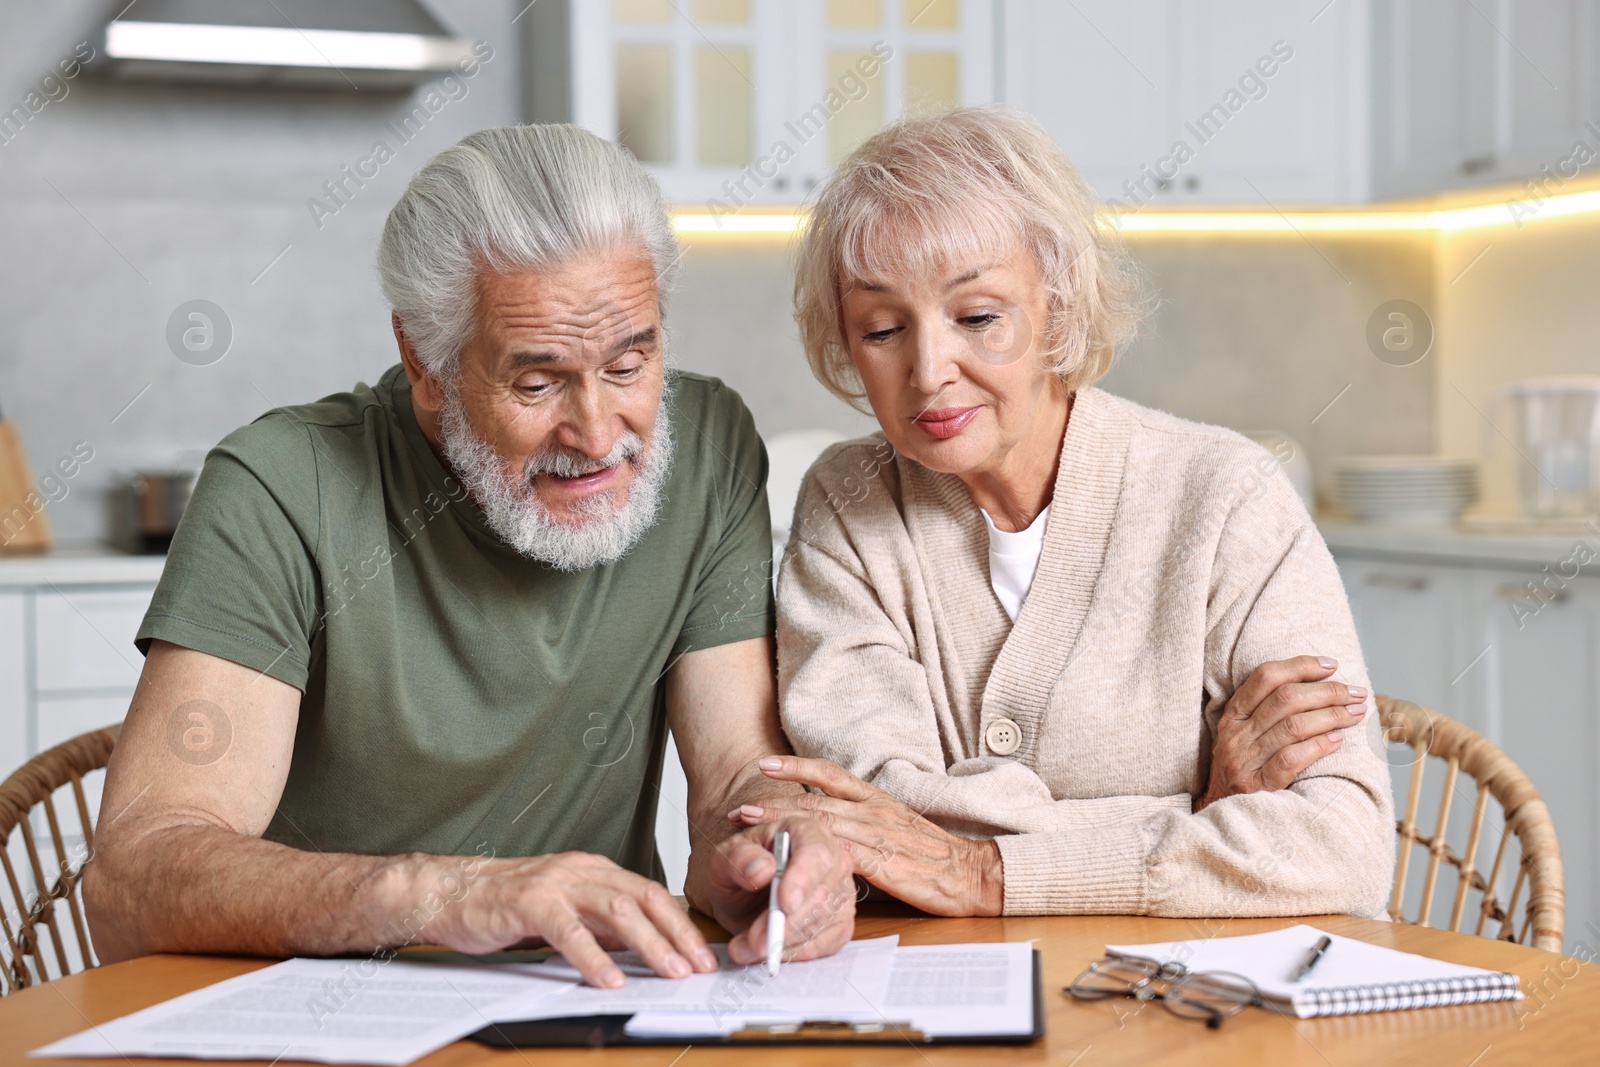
{"x":459,"y":697}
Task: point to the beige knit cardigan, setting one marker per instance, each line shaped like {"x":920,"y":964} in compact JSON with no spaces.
{"x":1176,"y":558}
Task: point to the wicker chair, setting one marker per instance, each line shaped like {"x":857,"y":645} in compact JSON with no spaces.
{"x":1538,"y":865}
{"x":31,"y":787}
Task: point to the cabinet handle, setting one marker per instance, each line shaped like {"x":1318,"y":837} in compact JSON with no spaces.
{"x":1411,"y":583}
{"x":1522,"y":592}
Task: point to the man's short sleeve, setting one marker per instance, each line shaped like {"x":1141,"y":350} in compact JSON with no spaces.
{"x":733,"y":598}
{"x":240,"y":579}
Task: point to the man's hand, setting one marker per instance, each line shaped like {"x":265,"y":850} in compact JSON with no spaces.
{"x":817,"y":893}
{"x":1279,"y":722}
{"x":579,"y":904}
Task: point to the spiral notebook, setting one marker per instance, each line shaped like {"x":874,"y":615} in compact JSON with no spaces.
{"x":1351,"y":977}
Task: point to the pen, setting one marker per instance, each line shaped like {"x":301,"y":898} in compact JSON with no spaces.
{"x":1314,"y":954}
{"x":775,"y":916}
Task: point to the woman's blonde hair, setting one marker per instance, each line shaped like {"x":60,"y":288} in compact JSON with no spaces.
{"x":930,"y":192}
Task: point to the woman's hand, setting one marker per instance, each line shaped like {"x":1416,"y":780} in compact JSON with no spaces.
{"x":892,"y":846}
{"x":1283,"y":719}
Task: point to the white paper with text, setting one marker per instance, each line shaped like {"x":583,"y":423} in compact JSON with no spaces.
{"x":325,"y":1011}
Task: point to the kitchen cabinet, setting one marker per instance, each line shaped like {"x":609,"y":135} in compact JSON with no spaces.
{"x":1542,"y":701}
{"x":1096,"y":74}
{"x":67,"y":624}
{"x":1468,"y":94}
{"x":13,"y":685}
{"x":748,"y":102}
{"x":1247,"y":102}
{"x":67,"y":666}
{"x":1372,"y":101}
{"x":83,"y":637}
{"x":1411,"y":617}
{"x":1173,"y":101}
{"x":1263,"y":138}
{"x":1446,"y":624}
{"x":1412,"y":620}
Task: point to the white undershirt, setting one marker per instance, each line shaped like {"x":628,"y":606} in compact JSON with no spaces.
{"x":1013,"y":560}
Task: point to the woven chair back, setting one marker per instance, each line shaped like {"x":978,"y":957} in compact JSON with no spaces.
{"x":1532,"y":912}
{"x":42,"y":922}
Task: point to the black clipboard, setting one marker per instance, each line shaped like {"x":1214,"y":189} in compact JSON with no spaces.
{"x":598,"y":1031}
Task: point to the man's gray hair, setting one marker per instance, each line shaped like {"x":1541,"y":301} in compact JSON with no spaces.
{"x":510,"y":199}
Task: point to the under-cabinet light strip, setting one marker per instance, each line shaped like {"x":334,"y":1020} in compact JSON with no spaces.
{"x":1513,"y":212}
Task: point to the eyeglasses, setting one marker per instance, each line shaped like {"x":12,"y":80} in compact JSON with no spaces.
{"x":1211,"y":996}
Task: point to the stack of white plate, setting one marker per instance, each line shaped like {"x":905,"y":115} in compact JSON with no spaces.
{"x":1406,"y":490}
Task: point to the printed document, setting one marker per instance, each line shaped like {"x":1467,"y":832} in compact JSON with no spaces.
{"x":326,"y":1011}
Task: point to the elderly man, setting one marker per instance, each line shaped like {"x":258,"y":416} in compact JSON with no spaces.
{"x":411,"y":664}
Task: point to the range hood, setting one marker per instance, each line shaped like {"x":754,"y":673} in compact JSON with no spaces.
{"x":366,"y":44}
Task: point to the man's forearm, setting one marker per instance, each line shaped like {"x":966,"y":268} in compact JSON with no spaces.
{"x":202,"y":888}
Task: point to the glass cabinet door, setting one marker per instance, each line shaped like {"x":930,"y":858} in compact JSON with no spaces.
{"x":868,"y":62}
{"x":680,"y":83}
{"x":734,"y":103}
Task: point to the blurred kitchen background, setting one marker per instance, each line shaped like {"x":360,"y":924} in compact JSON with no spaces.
{"x":1371,"y":232}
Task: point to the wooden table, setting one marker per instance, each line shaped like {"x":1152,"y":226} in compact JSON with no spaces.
{"x":1559,"y":1023}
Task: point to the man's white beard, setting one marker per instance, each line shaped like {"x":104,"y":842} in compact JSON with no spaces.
{"x":511,"y":506}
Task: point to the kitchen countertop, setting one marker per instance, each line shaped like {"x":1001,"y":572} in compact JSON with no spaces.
{"x":90,"y":563}
{"x":87,"y":563}
{"x":1456,"y":544}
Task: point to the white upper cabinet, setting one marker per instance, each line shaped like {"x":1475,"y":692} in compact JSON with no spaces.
{"x":1270,"y":109}
{"x":1174,"y":101}
{"x":747,"y":102}
{"x":1473,"y":93}
{"x":1255,"y":102}
{"x":1096,"y":73}
{"x":1261,"y":103}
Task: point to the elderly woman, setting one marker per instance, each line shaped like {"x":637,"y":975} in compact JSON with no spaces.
{"x":1036,"y":642}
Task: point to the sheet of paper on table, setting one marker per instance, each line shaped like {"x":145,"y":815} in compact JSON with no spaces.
{"x":326,"y":1011}
{"x":945,"y":991}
